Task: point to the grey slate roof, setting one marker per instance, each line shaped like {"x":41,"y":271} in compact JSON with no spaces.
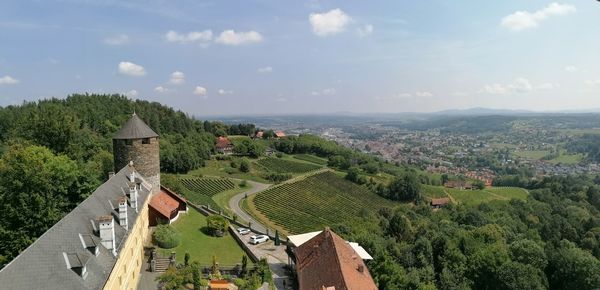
{"x":135,"y":128}
{"x":42,"y":265}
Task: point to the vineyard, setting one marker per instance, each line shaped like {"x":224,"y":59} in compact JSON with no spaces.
{"x":317,"y":201}
{"x":208,"y":186}
{"x":286,"y":166}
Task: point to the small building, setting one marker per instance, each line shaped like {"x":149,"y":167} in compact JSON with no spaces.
{"x":224,"y":146}
{"x":259,"y":134}
{"x":326,"y":261}
{"x":279,"y":134}
{"x":165,"y":207}
{"x":458,"y":184}
{"x":439,"y":202}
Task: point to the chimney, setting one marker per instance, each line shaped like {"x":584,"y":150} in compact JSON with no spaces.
{"x":107,"y":232}
{"x":133,"y":196}
{"x":132,"y":176}
{"x":123,"y":212}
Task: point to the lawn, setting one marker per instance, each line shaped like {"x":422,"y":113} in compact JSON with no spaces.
{"x":200,"y":246}
{"x":222,"y":198}
{"x":475,"y":197}
{"x":431,"y":191}
{"x":532,"y":154}
{"x":568,"y":159}
{"x":223,"y":168}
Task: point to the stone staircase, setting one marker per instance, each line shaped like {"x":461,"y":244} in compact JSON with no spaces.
{"x":161,"y":264}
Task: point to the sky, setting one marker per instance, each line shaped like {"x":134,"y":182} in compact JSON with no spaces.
{"x":252,"y":57}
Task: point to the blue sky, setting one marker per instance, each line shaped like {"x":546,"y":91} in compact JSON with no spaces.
{"x":279,"y":57}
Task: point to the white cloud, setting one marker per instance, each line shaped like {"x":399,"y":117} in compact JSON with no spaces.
{"x":8,"y":80}
{"x":119,"y":39}
{"x":424,"y":94}
{"x":547,"y":86}
{"x":324,"y":92}
{"x":571,"y":69}
{"x":593,"y":83}
{"x":132,"y":93}
{"x":177,"y":78}
{"x":193,"y":36}
{"x":224,"y":92}
{"x":365,"y":31}
{"x":200,"y":91}
{"x":264,"y":70}
{"x":519,"y":85}
{"x":522,"y":20}
{"x":329,"y":23}
{"x":230,"y":37}
{"x":131,"y":69}
{"x":161,"y":90}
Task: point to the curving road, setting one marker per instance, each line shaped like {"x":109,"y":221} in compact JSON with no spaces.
{"x":234,"y":204}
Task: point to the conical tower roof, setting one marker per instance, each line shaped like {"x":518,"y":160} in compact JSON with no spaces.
{"x":135,"y":128}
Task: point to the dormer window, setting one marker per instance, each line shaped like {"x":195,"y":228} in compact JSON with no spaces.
{"x":146,"y":141}
{"x":89,"y":244}
{"x":77,"y":262}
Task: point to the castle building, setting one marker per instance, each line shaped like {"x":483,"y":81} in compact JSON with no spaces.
{"x":99,"y":244}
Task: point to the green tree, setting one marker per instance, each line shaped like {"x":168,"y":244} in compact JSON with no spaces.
{"x":36,"y":189}
{"x":405,"y":188}
{"x":244,"y":166}
{"x":528,"y":252}
{"x":516,"y":276}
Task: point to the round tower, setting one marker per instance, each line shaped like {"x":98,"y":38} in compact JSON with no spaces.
{"x":137,"y":142}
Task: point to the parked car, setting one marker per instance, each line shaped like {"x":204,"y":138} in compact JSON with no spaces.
{"x":243,"y":231}
{"x":257,"y":239}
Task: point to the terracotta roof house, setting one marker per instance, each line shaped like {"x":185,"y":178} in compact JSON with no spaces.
{"x":224,"y":146}
{"x":259,"y":134}
{"x":326,"y":261}
{"x":279,"y":134}
{"x":458,"y":184}
{"x":439,"y":202}
{"x":165,"y":206}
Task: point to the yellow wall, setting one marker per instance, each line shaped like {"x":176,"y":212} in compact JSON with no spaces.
{"x":126,"y":272}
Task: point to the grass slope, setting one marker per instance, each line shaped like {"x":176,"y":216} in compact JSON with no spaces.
{"x":286,"y":166}
{"x":201,"y":246}
{"x":475,"y":197}
{"x":320,"y":200}
{"x":311,"y":158}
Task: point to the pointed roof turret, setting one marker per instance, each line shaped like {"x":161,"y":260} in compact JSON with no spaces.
{"x":135,"y":128}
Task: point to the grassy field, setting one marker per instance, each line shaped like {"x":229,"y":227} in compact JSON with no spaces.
{"x":223,"y":168}
{"x":431,"y":191}
{"x":317,"y":201}
{"x":311,"y":158}
{"x":532,"y":154}
{"x":568,"y":159}
{"x":222,"y":198}
{"x":279,"y":165}
{"x":475,"y":197}
{"x":201,"y":246}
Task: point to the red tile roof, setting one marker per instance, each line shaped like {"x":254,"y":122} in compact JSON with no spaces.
{"x":164,"y":203}
{"x":279,"y":134}
{"x":328,"y":261}
{"x":259,"y":134}
{"x":440,"y":201}
{"x":223,"y":142}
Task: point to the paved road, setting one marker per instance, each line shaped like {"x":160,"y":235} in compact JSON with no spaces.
{"x":234,"y":204}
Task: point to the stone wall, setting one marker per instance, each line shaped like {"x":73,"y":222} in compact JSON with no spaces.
{"x":145,"y":157}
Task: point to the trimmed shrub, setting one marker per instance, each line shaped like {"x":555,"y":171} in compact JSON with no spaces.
{"x":166,"y":237}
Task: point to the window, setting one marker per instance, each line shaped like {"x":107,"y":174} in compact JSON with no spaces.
{"x":146,"y":141}
{"x":128,"y":142}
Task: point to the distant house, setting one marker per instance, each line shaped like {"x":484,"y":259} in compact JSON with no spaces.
{"x":279,"y":134}
{"x":439,"y":202}
{"x":224,"y":146}
{"x":165,"y":206}
{"x":259,"y":134}
{"x":458,"y":184}
{"x":326,"y":261}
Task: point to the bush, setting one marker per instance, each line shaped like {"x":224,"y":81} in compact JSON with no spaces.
{"x":217,"y":225}
{"x":243,"y":183}
{"x":244,"y":165}
{"x":166,"y":237}
{"x":278,"y":177}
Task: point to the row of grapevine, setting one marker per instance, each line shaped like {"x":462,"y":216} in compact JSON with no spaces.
{"x":311,"y":158}
{"x":286,"y":166}
{"x":317,"y":201}
{"x":208,"y":186}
